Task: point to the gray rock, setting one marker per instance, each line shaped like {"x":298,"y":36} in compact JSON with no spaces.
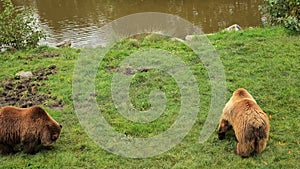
{"x":234,"y":27}
{"x":66,"y":43}
{"x":177,"y":39}
{"x":23,"y":74}
{"x":189,"y":37}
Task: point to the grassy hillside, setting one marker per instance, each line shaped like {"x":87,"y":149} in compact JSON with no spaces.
{"x":264,"y":61}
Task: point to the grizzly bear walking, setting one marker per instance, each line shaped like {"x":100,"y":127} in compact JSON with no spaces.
{"x":29,"y":126}
{"x":250,"y":124}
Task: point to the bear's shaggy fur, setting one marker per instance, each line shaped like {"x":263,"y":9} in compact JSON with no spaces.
{"x":250,"y":124}
{"x":30,"y":127}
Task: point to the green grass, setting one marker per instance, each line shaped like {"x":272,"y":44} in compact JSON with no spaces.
{"x":264,"y":61}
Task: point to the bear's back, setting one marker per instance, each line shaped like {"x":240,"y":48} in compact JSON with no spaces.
{"x":11,"y":112}
{"x":10,"y":124}
{"x":248,"y":109}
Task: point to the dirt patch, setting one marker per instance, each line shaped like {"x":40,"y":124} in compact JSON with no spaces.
{"x":127,"y":70}
{"x":44,"y":55}
{"x":24,"y":92}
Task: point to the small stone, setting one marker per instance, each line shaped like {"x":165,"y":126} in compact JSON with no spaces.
{"x":189,"y":37}
{"x":234,"y":27}
{"x":23,"y":74}
{"x":66,"y":43}
{"x":177,"y":39}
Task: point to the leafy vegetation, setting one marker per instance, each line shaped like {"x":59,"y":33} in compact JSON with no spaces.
{"x":282,"y":12}
{"x":264,"y":61}
{"x":19,"y":28}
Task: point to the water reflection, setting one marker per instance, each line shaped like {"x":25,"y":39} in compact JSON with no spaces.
{"x":78,"y":20}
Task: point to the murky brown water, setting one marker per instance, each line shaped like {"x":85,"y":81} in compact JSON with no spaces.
{"x":77,"y":20}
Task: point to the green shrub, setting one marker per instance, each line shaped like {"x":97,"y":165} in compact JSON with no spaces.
{"x":19,"y":28}
{"x":282,"y":12}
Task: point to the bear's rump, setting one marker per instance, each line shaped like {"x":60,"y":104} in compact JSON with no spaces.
{"x":255,"y":132}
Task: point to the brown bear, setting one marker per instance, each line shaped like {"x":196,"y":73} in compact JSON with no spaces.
{"x":250,"y":124}
{"x":29,"y":127}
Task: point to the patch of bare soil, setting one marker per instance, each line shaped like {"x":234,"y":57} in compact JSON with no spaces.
{"x":23,"y":92}
{"x":44,"y":55}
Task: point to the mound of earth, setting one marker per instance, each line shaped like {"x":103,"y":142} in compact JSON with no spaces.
{"x":23,"y":92}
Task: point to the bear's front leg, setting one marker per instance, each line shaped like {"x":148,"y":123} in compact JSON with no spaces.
{"x":6,"y":149}
{"x":223,"y":128}
{"x":29,"y":148}
{"x":29,"y":144}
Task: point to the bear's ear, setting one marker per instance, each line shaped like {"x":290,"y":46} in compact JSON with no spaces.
{"x":241,"y":93}
{"x":38,"y":112}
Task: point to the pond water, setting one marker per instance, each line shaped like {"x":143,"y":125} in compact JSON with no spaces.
{"x":78,"y":20}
